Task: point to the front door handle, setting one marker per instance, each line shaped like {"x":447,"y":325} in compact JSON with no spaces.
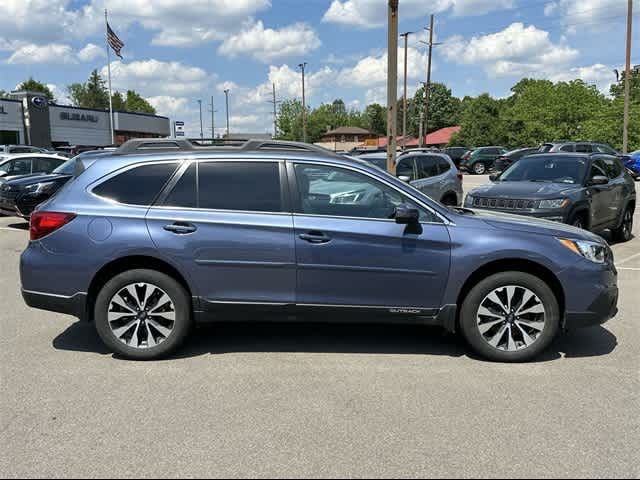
{"x":315,"y":237}
{"x":181,"y":228}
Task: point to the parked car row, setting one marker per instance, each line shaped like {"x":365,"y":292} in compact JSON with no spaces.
{"x":144,"y":242}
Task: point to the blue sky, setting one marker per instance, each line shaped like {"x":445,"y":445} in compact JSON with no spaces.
{"x":178,"y":51}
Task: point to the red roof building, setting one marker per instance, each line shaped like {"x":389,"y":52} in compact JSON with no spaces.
{"x":439,"y":138}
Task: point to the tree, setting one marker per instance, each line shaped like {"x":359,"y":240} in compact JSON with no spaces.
{"x":92,"y":94}
{"x":444,"y":109}
{"x":289,"y":120}
{"x":617,"y":89}
{"x":135,"y":103}
{"x":35,"y":86}
{"x":3,"y":93}
{"x":375,"y":119}
{"x":480,"y":121}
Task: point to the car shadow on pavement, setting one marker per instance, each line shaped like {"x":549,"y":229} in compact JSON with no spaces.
{"x":19,"y":226}
{"x":217,"y":339}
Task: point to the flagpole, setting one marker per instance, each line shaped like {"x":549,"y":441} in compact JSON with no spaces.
{"x":106,"y":24}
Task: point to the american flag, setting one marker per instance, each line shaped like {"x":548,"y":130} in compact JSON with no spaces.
{"x":114,"y":41}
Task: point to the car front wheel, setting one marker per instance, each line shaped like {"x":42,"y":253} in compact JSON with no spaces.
{"x":143,"y":314}
{"x":510,"y":317}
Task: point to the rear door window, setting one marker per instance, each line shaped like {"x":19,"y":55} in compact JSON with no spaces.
{"x":443,"y":166}
{"x":243,"y":186}
{"x":427,"y":166}
{"x":584,"y":148}
{"x":44,"y":164}
{"x":137,"y":186}
{"x":21,"y":166}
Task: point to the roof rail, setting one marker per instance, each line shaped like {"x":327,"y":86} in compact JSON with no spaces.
{"x":163,"y":145}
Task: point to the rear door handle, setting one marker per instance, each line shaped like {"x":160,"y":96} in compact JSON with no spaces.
{"x":181,"y":228}
{"x":315,"y":237}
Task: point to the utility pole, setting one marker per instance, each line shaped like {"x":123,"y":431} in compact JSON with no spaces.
{"x":226,"y":95}
{"x":275,"y":103}
{"x":627,"y":82}
{"x":392,"y":85}
{"x":213,"y":120}
{"x":201,"y":132}
{"x":427,"y":94}
{"x":404,"y":96}
{"x":304,"y":105}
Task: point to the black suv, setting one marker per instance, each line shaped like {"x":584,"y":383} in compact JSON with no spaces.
{"x":590,"y":191}
{"x":19,"y":196}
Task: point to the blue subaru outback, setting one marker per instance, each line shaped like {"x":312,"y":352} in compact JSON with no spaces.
{"x":163,"y":234}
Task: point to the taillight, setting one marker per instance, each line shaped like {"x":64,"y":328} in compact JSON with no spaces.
{"x":44,"y":223}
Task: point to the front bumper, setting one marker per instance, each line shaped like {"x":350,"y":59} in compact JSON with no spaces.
{"x":559,"y":215}
{"x":603,"y":309}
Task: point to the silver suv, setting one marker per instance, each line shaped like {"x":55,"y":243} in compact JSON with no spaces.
{"x":434,"y":174}
{"x":577,"y":147}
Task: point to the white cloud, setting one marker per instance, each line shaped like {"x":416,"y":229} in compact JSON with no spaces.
{"x":266,"y":44}
{"x":602,"y":76}
{"x":61,"y":95}
{"x":373,"y":13}
{"x":90,"y":52}
{"x":187,"y":22}
{"x":597,"y":13}
{"x":45,"y":54}
{"x":169,"y":106}
{"x":372,"y":70}
{"x":517,"y":50}
{"x":156,"y":78}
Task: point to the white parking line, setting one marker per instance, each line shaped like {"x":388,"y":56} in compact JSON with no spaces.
{"x":628,"y":259}
{"x":629,"y":268}
{"x":9,"y":229}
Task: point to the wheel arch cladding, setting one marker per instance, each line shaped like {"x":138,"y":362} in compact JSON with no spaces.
{"x":116,"y":267}
{"x":515,"y":265}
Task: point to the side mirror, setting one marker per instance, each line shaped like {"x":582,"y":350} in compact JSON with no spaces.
{"x":407,"y":215}
{"x":494,"y":177}
{"x":404,"y":178}
{"x":599,"y":180}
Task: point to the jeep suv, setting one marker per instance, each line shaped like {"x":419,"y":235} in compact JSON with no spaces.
{"x":590,"y":191}
{"x":165,"y":233}
{"x":480,"y":160}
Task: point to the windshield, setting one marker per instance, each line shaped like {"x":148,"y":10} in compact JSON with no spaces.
{"x":554,"y":169}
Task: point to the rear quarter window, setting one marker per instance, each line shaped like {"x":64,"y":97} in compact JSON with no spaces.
{"x":137,"y":186}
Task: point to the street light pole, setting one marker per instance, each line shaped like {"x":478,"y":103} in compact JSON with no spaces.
{"x":427,"y":93}
{"x":213,"y":120}
{"x":226,"y":95}
{"x":201,"y":132}
{"x":627,"y":82}
{"x":304,"y":105}
{"x":392,"y":85}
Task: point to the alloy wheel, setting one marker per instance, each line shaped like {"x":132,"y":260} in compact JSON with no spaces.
{"x":511,"y":318}
{"x":479,"y":168}
{"x":141,"y":315}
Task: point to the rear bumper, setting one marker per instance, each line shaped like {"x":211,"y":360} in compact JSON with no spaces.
{"x":603,"y":309}
{"x":70,"y":305}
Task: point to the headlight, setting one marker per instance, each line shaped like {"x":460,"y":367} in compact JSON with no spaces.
{"x":557,"y":203}
{"x":596,"y":252}
{"x":38,"y":188}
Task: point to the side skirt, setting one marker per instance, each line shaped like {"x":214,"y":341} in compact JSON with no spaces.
{"x":222,"y":311}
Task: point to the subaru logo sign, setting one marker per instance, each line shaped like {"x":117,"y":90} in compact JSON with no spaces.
{"x":39,"y":102}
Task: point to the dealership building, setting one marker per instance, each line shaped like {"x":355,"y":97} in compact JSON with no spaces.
{"x":28,"y":118}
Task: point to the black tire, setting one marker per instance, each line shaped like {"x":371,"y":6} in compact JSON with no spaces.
{"x":471,"y":304}
{"x":579,"y":221}
{"x":181,"y":304}
{"x":450,"y":200}
{"x":479,"y":168}
{"x":625,"y":231}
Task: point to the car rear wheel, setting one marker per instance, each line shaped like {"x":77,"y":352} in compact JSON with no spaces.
{"x":479,"y":168}
{"x":510,"y":317}
{"x":143,"y":314}
{"x":624,"y":232}
{"x":449,"y":200}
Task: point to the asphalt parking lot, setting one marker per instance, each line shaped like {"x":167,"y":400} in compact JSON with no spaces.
{"x":315,"y":401}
